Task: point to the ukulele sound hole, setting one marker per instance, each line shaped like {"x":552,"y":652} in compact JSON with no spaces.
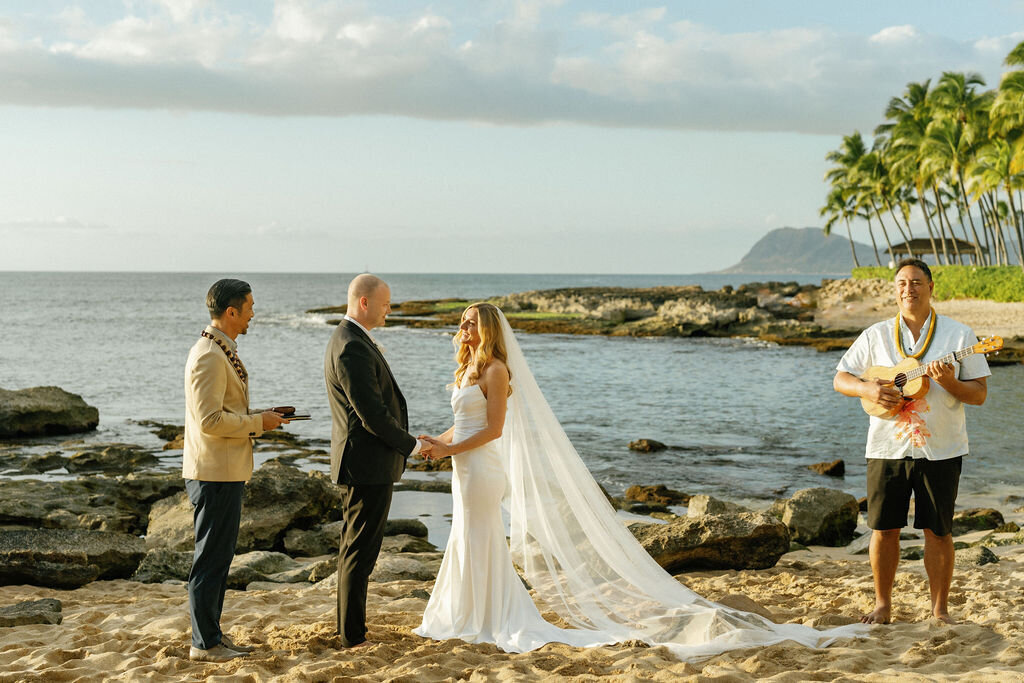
{"x":900,"y":380}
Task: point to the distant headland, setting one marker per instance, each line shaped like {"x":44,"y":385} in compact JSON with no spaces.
{"x":801,"y":250}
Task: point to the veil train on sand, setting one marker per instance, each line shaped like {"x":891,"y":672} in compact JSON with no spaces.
{"x":585,"y":565}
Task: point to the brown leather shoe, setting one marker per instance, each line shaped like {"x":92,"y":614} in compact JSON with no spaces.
{"x":217,"y":653}
{"x":226,"y":641}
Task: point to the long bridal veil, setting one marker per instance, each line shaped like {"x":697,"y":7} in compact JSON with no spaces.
{"x":585,"y":565}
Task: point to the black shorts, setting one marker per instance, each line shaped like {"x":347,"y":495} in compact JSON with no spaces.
{"x":934,"y":484}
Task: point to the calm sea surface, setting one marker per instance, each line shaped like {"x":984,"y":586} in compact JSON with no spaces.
{"x":743,"y":417}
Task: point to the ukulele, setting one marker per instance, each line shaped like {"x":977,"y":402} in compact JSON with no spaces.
{"x":911,"y":378}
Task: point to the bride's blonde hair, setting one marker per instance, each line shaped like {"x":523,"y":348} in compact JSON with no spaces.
{"x":492,"y":345}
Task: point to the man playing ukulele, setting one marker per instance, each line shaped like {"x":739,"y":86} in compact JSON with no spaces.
{"x":920,"y":449}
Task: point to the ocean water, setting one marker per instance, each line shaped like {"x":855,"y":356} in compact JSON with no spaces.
{"x":743,"y":418}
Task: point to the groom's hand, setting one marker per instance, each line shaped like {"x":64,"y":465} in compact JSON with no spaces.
{"x":425,"y":448}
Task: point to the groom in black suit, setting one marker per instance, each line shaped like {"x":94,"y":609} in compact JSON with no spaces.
{"x":369,"y":444}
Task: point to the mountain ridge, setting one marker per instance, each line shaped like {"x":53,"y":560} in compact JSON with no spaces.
{"x":801,"y":250}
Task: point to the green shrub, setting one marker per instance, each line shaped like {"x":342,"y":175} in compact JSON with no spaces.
{"x":995,"y":283}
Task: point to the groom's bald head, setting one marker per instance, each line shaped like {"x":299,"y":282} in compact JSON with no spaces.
{"x":363,"y":285}
{"x":369,"y":300}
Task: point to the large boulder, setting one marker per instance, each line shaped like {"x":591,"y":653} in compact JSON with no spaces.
{"x":42,"y":411}
{"x":161,"y":564}
{"x":400,"y":568}
{"x":976,"y":519}
{"x":821,"y":516}
{"x":746,"y":540}
{"x":89,"y":502}
{"x":403,"y":543}
{"x":701,"y":505}
{"x":67,"y":558}
{"x":261,"y":565}
{"x":277,"y":498}
{"x":45,"y":611}
{"x":314,"y":542}
{"x":171,"y":524}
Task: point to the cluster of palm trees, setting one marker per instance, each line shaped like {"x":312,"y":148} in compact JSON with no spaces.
{"x":953,"y":152}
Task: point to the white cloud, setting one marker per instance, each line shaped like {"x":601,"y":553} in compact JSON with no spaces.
{"x":339,"y":59}
{"x":896,"y":35}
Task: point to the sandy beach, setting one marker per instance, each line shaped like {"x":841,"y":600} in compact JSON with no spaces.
{"x":122,"y":630}
{"x":984,"y":317}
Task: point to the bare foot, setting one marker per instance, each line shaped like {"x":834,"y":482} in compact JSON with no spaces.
{"x":881,"y":615}
{"x":944,"y":618}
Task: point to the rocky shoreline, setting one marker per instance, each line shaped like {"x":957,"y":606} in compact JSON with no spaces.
{"x":826,"y":317}
{"x":126,"y":516}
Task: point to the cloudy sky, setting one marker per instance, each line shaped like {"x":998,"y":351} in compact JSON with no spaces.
{"x":407,"y":136}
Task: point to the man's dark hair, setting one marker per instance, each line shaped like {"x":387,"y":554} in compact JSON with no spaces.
{"x":226,"y":293}
{"x":917,"y":263}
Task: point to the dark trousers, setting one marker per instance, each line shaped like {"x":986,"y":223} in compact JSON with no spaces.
{"x":364,"y":510}
{"x":217,"y":511}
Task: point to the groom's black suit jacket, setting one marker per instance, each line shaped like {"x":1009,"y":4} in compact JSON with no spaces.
{"x":369,"y":419}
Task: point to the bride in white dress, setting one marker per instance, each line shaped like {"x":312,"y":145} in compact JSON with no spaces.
{"x":582,"y":563}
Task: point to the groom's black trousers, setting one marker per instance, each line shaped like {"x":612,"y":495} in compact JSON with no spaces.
{"x":364,"y":510}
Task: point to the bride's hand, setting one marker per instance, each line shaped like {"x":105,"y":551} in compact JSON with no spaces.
{"x":438,"y":448}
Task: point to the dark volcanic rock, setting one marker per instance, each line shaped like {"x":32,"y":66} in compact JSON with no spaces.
{"x":313,"y":542}
{"x":161,"y":564}
{"x":646,"y":446}
{"x":658,"y":494}
{"x":45,"y":611}
{"x":975,"y":557}
{"x":976,"y":519}
{"x":821,"y":516}
{"x":403,"y":543}
{"x":42,"y":411}
{"x":277,"y":498}
{"x":408,"y":527}
{"x":67,"y":558}
{"x":120,"y":458}
{"x":89,"y":502}
{"x":747,"y":540}
{"x":836,"y":468}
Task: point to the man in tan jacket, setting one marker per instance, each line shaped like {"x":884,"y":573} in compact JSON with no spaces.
{"x":217,"y":460}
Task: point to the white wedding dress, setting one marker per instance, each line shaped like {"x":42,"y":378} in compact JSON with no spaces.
{"x":580,"y":560}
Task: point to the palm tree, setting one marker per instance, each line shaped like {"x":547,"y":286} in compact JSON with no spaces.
{"x":907,"y":119}
{"x":843,"y":175}
{"x":839,"y":205}
{"x":994,"y":168}
{"x":873,"y":185}
{"x":945,"y":152}
{"x":960,"y":127}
